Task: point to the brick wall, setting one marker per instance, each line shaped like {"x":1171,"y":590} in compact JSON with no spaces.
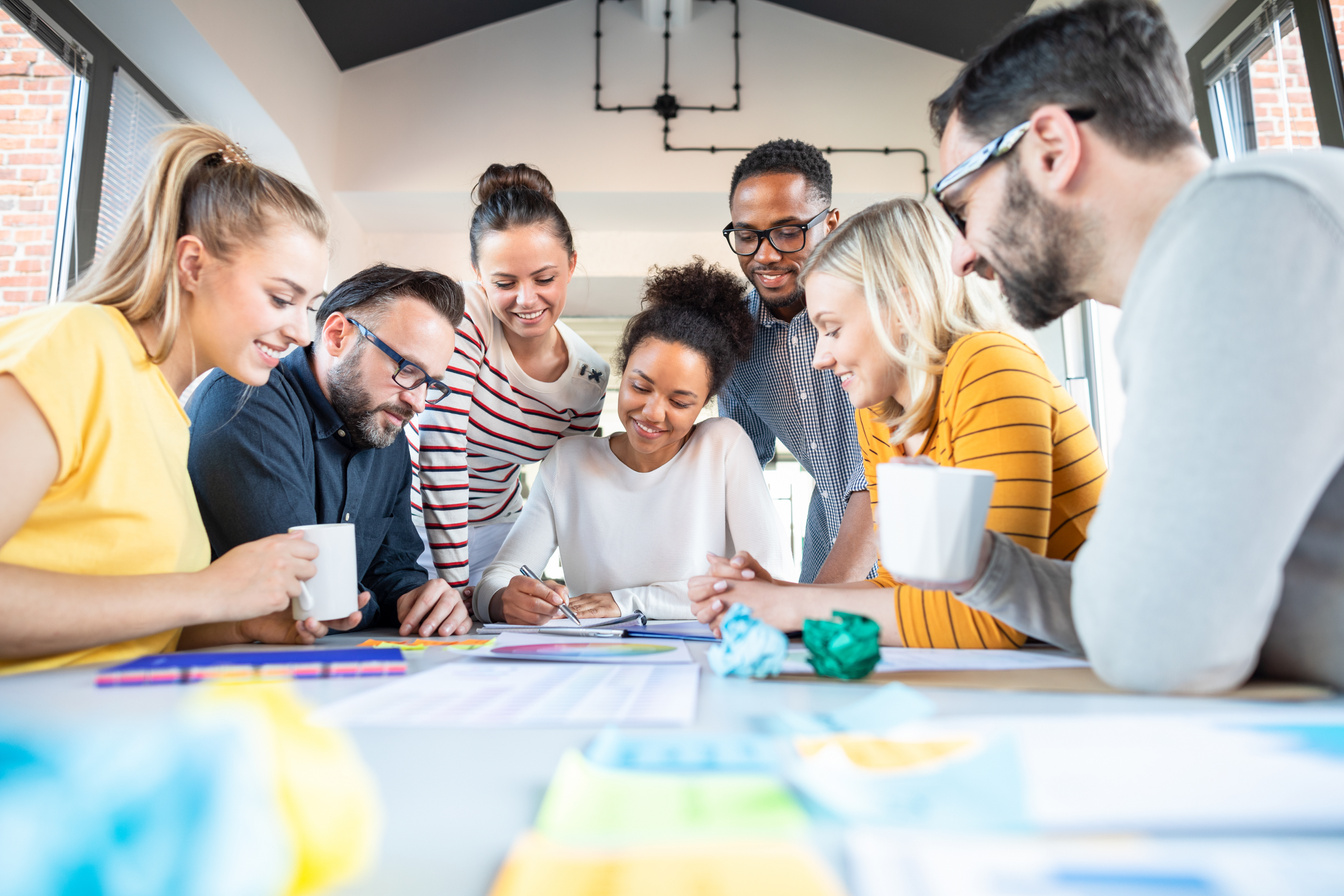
{"x":1270,"y":88}
{"x":34,"y":100}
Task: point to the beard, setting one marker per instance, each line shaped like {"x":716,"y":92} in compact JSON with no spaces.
{"x":1038,"y":276}
{"x":363,"y":420}
{"x":784,"y":301}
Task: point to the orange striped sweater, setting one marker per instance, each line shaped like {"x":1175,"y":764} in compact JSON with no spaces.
{"x":999,"y":408}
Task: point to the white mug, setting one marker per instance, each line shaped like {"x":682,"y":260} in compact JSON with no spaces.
{"x":334,"y":592}
{"x":931,"y":519}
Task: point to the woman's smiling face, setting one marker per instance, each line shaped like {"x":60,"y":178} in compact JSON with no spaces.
{"x":847,"y":343}
{"x":525,"y":273}
{"x":663,"y":389}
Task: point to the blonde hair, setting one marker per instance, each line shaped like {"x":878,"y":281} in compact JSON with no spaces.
{"x":900,"y":253}
{"x":201,"y":184}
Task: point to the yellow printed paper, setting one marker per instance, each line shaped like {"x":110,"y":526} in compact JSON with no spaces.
{"x":880,"y":754}
{"x":538,"y":866}
{"x":590,"y":802}
{"x":422,"y":643}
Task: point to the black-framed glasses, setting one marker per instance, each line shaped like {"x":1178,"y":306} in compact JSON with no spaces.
{"x":785,"y":238}
{"x":994,"y":149}
{"x":409,"y":375}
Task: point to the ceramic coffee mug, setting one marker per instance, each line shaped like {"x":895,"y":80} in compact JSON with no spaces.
{"x":931,"y":519}
{"x":334,"y":592}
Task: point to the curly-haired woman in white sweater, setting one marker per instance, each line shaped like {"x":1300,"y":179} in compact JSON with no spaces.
{"x":634,"y":514}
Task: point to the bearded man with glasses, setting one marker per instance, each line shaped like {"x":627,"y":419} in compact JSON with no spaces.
{"x":780,"y":202}
{"x":322,"y":441}
{"x":1074,"y":173}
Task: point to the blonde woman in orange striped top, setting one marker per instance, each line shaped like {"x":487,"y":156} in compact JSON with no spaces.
{"x":935,"y":367}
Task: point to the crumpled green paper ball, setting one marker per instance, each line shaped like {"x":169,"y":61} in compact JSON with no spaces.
{"x":844,"y":646}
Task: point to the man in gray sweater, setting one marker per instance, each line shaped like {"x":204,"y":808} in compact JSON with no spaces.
{"x":1218,"y":546}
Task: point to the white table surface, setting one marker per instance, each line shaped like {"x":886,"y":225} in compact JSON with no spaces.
{"x":455,"y":799}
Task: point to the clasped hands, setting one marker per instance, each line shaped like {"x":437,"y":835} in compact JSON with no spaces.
{"x":742,"y":580}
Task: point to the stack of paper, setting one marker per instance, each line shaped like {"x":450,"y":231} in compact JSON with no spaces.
{"x":537,"y":695}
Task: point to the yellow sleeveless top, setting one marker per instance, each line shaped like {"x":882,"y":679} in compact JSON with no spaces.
{"x":122,"y":502}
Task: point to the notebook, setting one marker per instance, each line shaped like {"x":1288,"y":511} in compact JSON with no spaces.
{"x":612,"y":627}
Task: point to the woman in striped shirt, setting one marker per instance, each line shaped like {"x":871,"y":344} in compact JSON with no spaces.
{"x":520,"y":380}
{"x":936,"y":368}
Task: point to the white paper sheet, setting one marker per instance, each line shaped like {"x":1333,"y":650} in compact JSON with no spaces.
{"x":573,"y":649}
{"x":899,"y":863}
{"x":526,"y":695}
{"x":919,"y":659}
{"x":1186,"y":773}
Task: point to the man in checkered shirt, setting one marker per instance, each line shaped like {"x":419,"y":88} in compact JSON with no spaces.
{"x":780,"y":201}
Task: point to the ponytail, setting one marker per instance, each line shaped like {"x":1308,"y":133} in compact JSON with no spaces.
{"x":201,"y":184}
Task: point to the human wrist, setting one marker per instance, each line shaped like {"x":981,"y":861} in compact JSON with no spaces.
{"x":210,"y":606}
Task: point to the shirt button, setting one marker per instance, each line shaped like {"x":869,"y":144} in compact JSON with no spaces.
{"x":795,"y":340}
{"x":347,"y":516}
{"x":341,"y":433}
{"x":802,"y":396}
{"x":812,"y":447}
{"x":823,"y":494}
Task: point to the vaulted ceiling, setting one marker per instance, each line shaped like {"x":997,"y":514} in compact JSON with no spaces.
{"x":358,"y":31}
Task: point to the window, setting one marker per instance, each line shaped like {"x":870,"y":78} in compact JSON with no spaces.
{"x":134,"y":120}
{"x":41,"y":111}
{"x":1267,"y":78}
{"x":1258,"y":88}
{"x":1337,"y":19}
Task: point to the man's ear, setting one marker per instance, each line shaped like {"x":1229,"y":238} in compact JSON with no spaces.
{"x":832,"y":220}
{"x":338,"y":335}
{"x":1051,"y":151}
{"x":189,"y":260}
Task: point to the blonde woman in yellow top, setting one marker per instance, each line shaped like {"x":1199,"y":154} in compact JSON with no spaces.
{"x":935,"y":366}
{"x":102,"y":553}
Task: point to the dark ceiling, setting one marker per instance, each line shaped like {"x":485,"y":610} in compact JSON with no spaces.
{"x":360,"y":31}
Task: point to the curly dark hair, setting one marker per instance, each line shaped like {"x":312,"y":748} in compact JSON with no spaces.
{"x":698,"y":305}
{"x":787,"y":157}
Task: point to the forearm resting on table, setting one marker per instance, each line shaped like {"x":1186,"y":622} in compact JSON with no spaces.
{"x":855,"y":549}
{"x":48,"y":612}
{"x":863,"y":598}
{"x":786,"y":605}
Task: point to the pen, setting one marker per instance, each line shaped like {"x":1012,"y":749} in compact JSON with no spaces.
{"x":564,"y":607}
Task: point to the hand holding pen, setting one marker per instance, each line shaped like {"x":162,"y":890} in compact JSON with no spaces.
{"x":564,"y":607}
{"x":528,"y":600}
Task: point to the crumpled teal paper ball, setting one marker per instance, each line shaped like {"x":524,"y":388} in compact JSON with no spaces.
{"x":750,"y":648}
{"x":844,"y":646}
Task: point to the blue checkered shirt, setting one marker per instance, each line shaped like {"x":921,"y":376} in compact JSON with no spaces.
{"x":777,"y":394}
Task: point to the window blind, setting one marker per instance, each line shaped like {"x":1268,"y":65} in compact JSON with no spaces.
{"x":134,"y":120}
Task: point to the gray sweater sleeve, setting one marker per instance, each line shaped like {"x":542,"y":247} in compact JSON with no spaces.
{"x":1232,"y":358}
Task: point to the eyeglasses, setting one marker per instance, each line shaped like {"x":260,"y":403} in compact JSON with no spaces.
{"x":994,"y":149}
{"x":409,"y":375}
{"x":785,"y":238}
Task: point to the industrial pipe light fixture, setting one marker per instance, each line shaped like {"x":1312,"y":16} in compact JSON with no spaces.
{"x":667,"y":105}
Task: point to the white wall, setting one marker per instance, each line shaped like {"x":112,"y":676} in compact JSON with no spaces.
{"x":419,"y":127}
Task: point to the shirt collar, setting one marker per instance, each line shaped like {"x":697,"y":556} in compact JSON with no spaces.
{"x":298,"y":365}
{"x":762,"y":312}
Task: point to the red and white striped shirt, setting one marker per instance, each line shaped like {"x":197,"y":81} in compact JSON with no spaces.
{"x":467,"y":450}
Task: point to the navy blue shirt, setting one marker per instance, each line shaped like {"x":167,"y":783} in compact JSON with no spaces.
{"x":266,"y":458}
